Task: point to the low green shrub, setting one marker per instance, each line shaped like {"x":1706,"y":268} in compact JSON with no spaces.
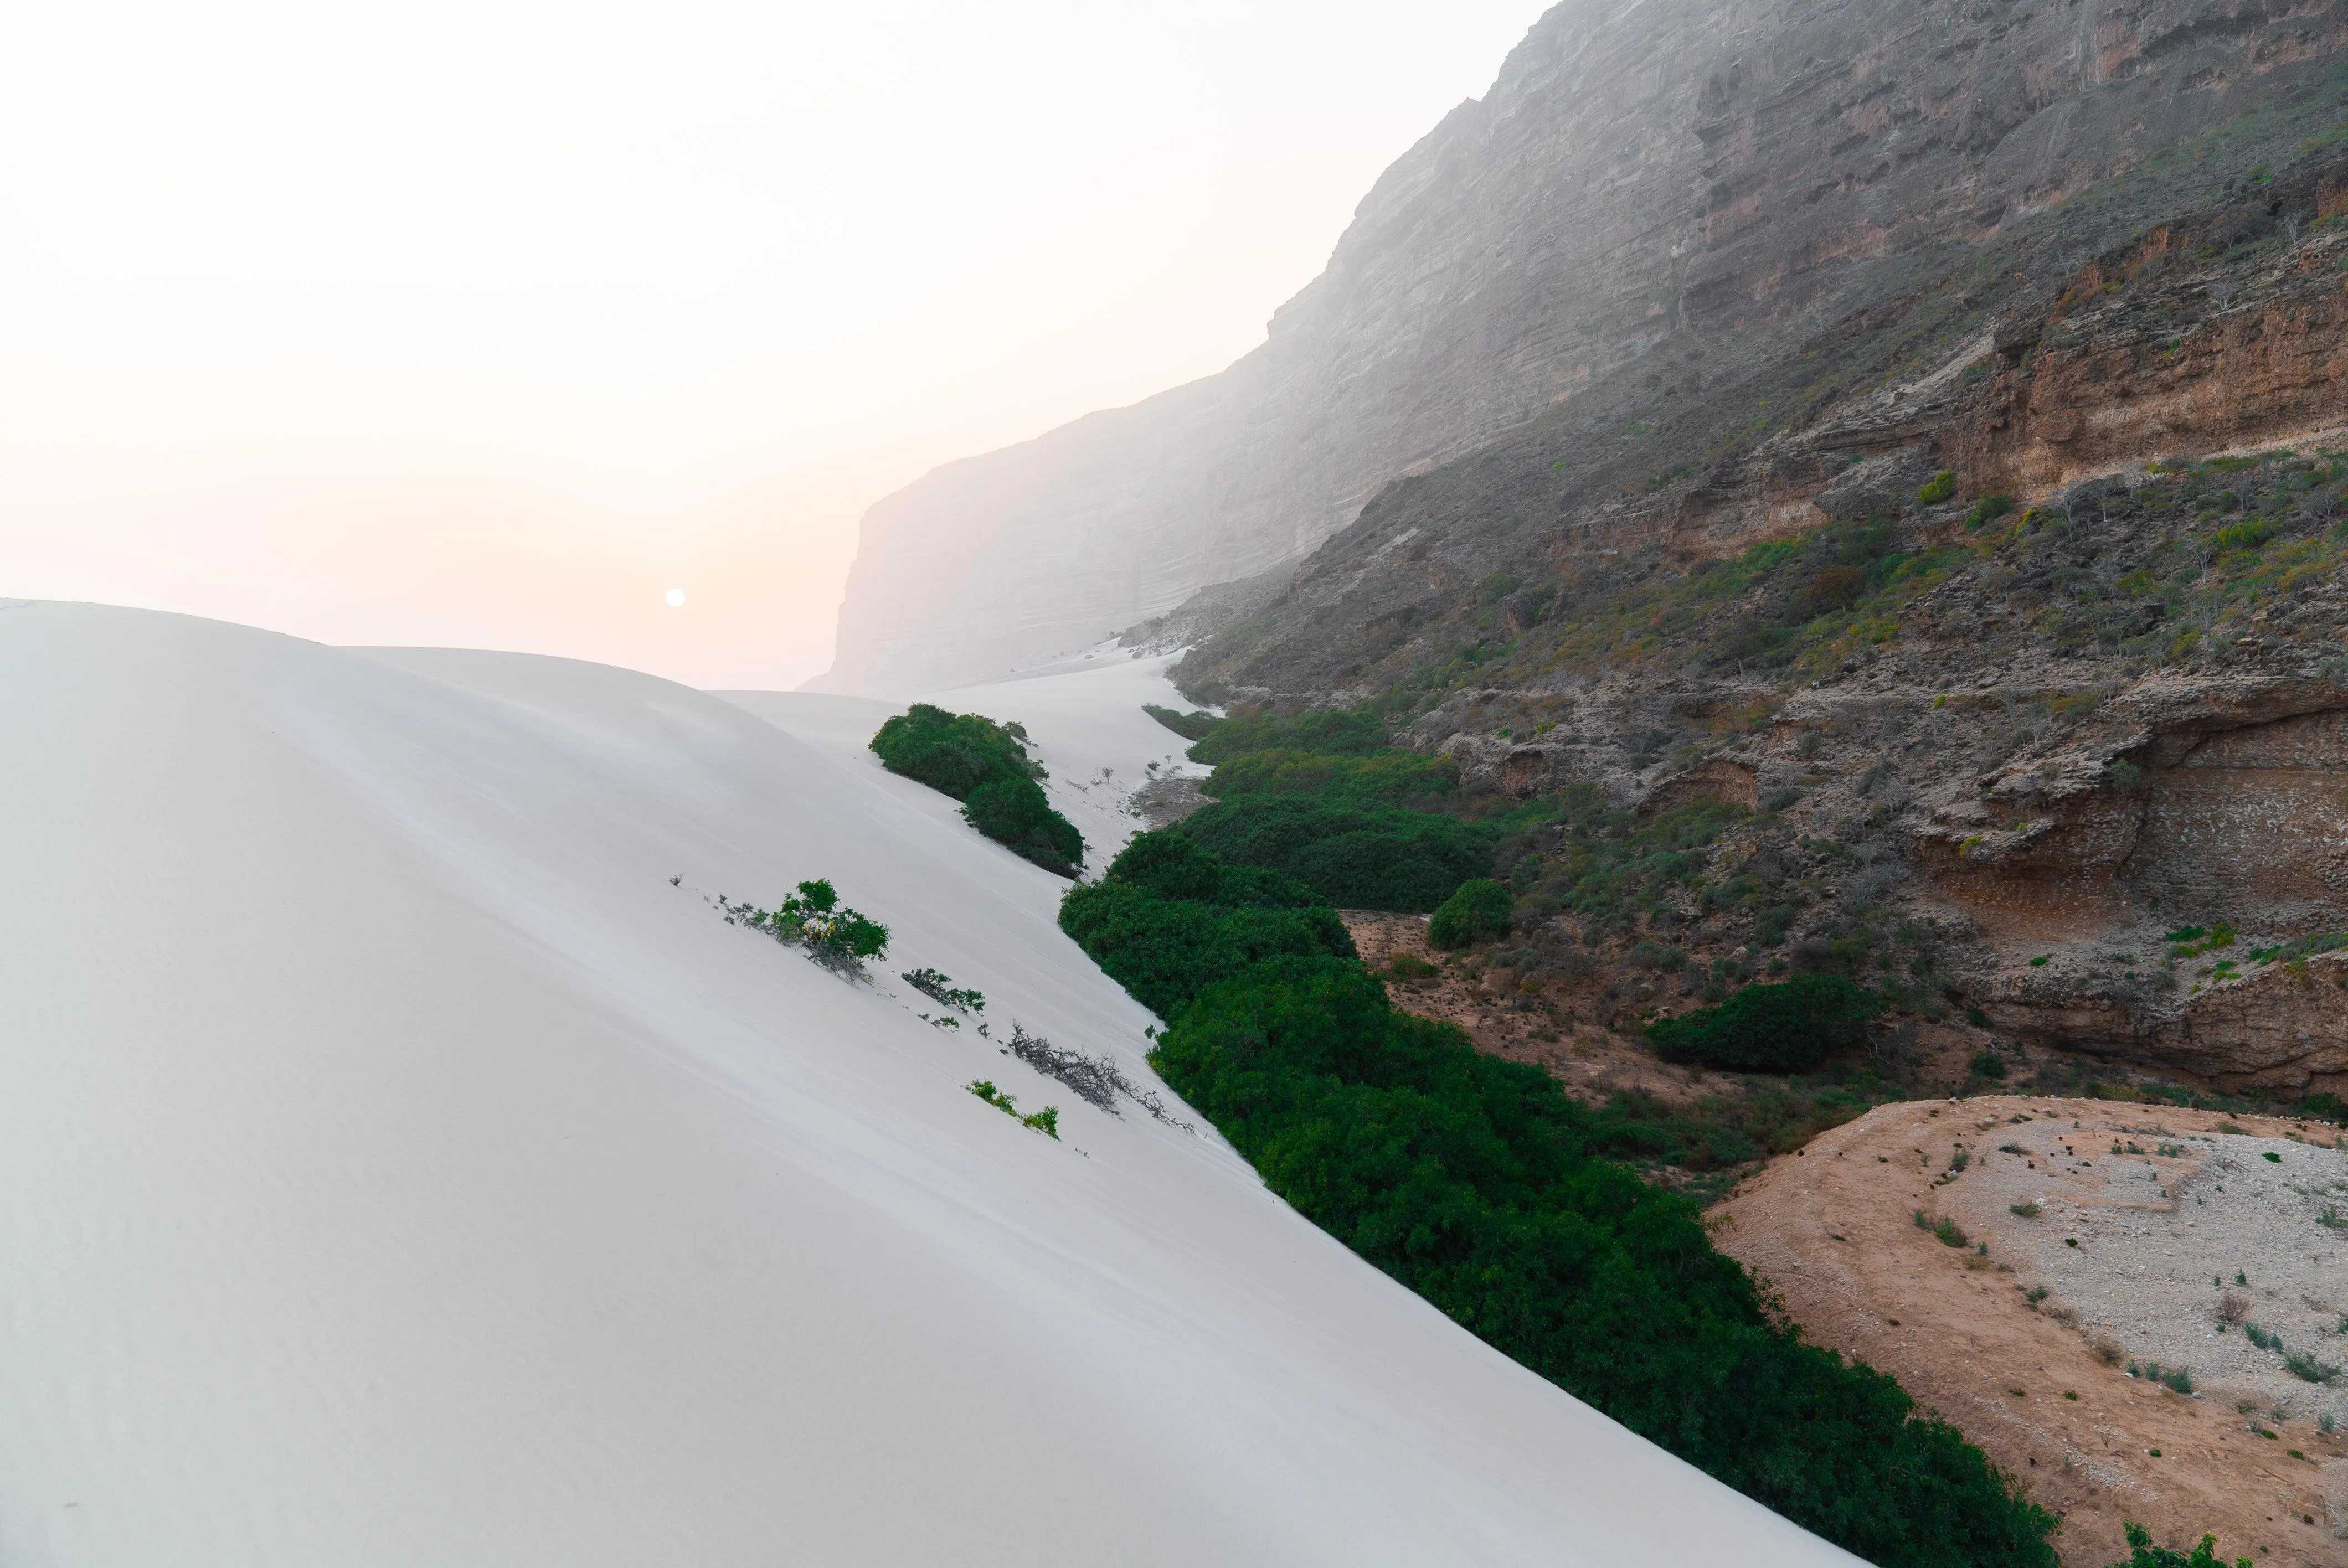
{"x":1987,"y":510}
{"x":941,"y":989}
{"x":2145,"y":1555}
{"x":2246,"y":535}
{"x":1785,"y":1028}
{"x":1046,"y":1121}
{"x":1015,"y":814}
{"x":1937,"y":489}
{"x":1169,"y":918}
{"x":985,"y":765}
{"x":1333,"y":730}
{"x":953,"y":754}
{"x":1385,"y":859}
{"x":813,"y":918}
{"x":1190,"y":726}
{"x":1384,"y":778}
{"x":1479,"y":911}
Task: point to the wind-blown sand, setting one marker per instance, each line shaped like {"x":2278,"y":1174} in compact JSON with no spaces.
{"x":397,"y":1169}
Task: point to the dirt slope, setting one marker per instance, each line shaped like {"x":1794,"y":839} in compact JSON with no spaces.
{"x":1832,"y":1232}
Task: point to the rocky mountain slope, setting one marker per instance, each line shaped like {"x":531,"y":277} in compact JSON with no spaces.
{"x":1663,"y":223}
{"x":2021,"y":642}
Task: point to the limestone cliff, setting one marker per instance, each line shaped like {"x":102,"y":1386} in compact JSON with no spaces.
{"x":1653,"y":200}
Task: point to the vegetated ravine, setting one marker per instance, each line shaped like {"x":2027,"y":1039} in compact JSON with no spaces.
{"x":2013,"y":664}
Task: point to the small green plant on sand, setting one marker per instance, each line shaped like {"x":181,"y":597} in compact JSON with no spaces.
{"x":813,"y":918}
{"x":1046,"y":1121}
{"x":941,"y":989}
{"x":2145,"y":1555}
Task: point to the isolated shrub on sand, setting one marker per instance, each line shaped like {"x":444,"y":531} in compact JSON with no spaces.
{"x":1787,"y":1027}
{"x":953,"y":754}
{"x":1479,"y":912}
{"x":1190,"y":726}
{"x":985,"y":765}
{"x":833,"y":934}
{"x":1015,"y":813}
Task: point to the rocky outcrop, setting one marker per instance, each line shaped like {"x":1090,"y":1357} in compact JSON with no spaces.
{"x":1653,"y":203}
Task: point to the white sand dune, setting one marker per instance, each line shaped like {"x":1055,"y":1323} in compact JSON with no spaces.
{"x":1084,"y":719}
{"x":397,"y":1169}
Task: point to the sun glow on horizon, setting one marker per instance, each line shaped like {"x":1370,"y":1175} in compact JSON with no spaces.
{"x":450,"y":323}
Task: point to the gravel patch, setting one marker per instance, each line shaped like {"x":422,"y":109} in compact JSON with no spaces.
{"x":2224,"y":1254}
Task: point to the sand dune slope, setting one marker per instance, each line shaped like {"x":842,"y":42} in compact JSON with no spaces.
{"x":397,"y":1169}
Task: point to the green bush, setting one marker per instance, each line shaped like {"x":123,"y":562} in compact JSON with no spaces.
{"x":1787,"y":1028}
{"x":953,"y":754}
{"x":2247,"y":534}
{"x":813,"y":918}
{"x":1479,"y":912}
{"x":2145,"y":1555}
{"x":1167,"y":919}
{"x":1385,"y":859}
{"x":1937,"y":489}
{"x":985,"y":765}
{"x":1987,"y":510}
{"x":1015,"y":813}
{"x":1333,"y":730}
{"x":1472,"y":1181}
{"x":1046,"y":1121}
{"x":1391,"y":777}
{"x":1190,"y":726}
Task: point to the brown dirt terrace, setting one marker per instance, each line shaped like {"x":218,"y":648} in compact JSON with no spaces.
{"x":2022,"y":1328}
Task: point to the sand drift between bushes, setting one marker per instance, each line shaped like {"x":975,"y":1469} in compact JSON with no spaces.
{"x":396,"y":1168}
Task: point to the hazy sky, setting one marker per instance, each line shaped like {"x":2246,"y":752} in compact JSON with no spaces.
{"x":489,"y":323}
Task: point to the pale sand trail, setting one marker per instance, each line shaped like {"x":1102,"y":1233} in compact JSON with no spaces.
{"x":397,"y":1169}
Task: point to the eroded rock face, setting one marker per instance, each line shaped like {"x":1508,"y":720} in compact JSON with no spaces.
{"x":2235,"y":807}
{"x":1651,"y":201}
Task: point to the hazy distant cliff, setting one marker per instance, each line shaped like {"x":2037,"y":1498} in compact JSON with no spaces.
{"x":1672,"y":182}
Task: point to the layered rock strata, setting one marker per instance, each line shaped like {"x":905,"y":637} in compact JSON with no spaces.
{"x":1651,"y":202}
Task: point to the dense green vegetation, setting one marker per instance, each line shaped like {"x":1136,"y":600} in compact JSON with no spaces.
{"x":1190,"y":726}
{"x":1378,"y":859}
{"x":1015,"y":813}
{"x":1788,"y":1028}
{"x":1323,"y":799}
{"x":1479,"y":911}
{"x":1479,"y":1184}
{"x":1705,"y":1141}
{"x":1169,"y":918}
{"x":1335,"y":731}
{"x":953,"y":754}
{"x":985,"y":765}
{"x":1382,"y":778}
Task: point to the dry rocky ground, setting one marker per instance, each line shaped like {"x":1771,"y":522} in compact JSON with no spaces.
{"x":2138,"y":1253}
{"x":1543,"y":1026}
{"x":2146,"y":1217}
